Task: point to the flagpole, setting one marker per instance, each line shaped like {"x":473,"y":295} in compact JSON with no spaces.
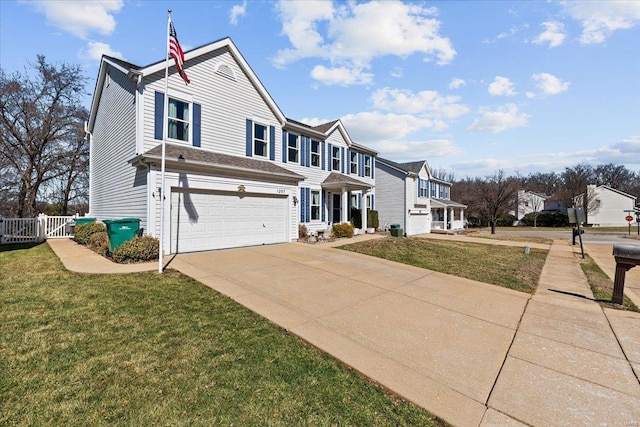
{"x":165,"y":131}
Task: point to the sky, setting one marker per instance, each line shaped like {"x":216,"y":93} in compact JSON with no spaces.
{"x":470,"y":86}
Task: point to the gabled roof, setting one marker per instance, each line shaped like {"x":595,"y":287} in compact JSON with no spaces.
{"x":397,"y":166}
{"x":622,"y":193}
{"x":189,"y":158}
{"x":138,"y":72}
{"x":338,"y":180}
{"x":326,"y":129}
{"x":414,"y":167}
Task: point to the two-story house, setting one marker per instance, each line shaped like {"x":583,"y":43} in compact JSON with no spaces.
{"x":606,"y":206}
{"x":238,"y":172}
{"x":408,"y":194}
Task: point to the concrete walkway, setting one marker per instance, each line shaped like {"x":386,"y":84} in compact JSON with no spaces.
{"x":471,"y":353}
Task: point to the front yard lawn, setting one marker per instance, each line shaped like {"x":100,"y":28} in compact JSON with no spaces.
{"x":504,"y":266}
{"x":602,"y":286}
{"x":149,"y":349}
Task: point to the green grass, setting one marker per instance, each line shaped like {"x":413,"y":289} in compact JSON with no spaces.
{"x":602,"y":286}
{"x":499,"y":265}
{"x":149,"y":349}
{"x":522,"y":239}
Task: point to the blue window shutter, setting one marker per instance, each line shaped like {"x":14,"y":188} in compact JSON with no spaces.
{"x":360,"y":201}
{"x":249,"y":137}
{"x":272,"y":143}
{"x":419,"y":182}
{"x":373,"y":199}
{"x":302,"y":193}
{"x":322,"y":206}
{"x":303,"y":150}
{"x":360,"y":164}
{"x":197,"y":124}
{"x":308,"y":152}
{"x":330,"y":158}
{"x":308,"y":211}
{"x":284,"y":146}
{"x":159,"y":115}
{"x":322,"y":160}
{"x":348,"y":162}
{"x":342,"y":159}
{"x":373,"y":168}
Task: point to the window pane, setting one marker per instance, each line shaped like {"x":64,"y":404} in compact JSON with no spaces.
{"x":315,"y":146}
{"x":315,"y":159}
{"x":260,"y":132}
{"x":315,"y":197}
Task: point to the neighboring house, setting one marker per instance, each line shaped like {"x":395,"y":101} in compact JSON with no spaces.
{"x":557,"y":202}
{"x":238,"y":172}
{"x":528,"y":202}
{"x":407,"y":194}
{"x":606,"y":206}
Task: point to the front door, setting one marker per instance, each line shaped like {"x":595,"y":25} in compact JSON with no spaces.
{"x":336,"y":216}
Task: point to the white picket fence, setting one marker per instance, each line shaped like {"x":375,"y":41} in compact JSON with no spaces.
{"x":34,"y":230}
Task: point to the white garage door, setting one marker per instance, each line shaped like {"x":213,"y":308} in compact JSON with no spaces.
{"x":203,"y":220}
{"x":418,"y":223}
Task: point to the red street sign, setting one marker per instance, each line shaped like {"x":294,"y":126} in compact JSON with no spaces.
{"x":629,"y":218}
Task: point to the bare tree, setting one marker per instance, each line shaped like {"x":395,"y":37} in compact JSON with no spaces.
{"x":443,"y":174}
{"x":41,"y":118}
{"x":496,"y":196}
{"x":615,"y":176}
{"x":544,"y":182}
{"x":532,"y":203}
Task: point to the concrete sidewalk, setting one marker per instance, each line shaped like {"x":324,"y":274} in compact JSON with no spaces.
{"x":472,"y":353}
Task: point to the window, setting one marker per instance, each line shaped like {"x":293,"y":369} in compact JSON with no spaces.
{"x":354,"y":201}
{"x":178,"y":120}
{"x":367,"y":166}
{"x":293,"y":150}
{"x":335,"y":158}
{"x":368,"y":202}
{"x":260,"y":140}
{"x":433,"y":190}
{"x":315,"y":205}
{"x":353,"y":162}
{"x":424,"y":187}
{"x":315,"y":153}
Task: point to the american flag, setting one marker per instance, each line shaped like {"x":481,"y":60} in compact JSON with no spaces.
{"x":176,"y":52}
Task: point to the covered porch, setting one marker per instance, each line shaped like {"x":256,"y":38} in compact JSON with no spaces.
{"x":447,"y":215}
{"x":338,"y":190}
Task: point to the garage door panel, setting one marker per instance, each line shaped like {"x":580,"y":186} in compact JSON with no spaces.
{"x":205,"y":220}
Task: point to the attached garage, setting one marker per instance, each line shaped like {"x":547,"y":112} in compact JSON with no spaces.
{"x":204,"y":220}
{"x":418,"y":221}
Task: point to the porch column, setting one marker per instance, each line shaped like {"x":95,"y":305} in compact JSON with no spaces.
{"x":462,"y":215}
{"x":444,"y":226}
{"x":453,"y":217}
{"x":345,"y":205}
{"x":363,"y":209}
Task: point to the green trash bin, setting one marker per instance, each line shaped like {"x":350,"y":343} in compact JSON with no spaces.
{"x":84,"y":220}
{"x":121,"y":230}
{"x":396,"y":232}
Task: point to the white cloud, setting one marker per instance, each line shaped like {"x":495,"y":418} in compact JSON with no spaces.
{"x":550,"y":84}
{"x":369,"y":127}
{"x":599,"y":19}
{"x":483,"y":166}
{"x":416,"y":150}
{"x":397,"y":72}
{"x":503,"y":118}
{"x":350,"y":42}
{"x":554,"y":34}
{"x":428,"y":102}
{"x":95,"y":50}
{"x":237,"y":11}
{"x":80,"y":17}
{"x":342,"y":76}
{"x":456,"y":83}
{"x":501,"y":86}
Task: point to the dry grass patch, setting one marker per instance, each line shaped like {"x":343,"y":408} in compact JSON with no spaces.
{"x":150,"y":349}
{"x":523,"y":239}
{"x":504,"y":266}
{"x":602,"y":286}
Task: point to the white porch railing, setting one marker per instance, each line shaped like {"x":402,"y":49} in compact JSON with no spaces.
{"x":457,"y":225}
{"x":34,"y":230}
{"x":437,"y":225}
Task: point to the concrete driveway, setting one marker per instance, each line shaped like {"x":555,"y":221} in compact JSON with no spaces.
{"x":438,"y":340}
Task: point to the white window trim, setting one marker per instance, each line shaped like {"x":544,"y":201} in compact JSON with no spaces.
{"x":353,"y":161}
{"x":364,"y":166}
{"x":253,"y":139}
{"x":336,"y":149}
{"x":190,"y":122}
{"x":298,"y":138}
{"x":319,"y":154}
{"x":311,"y":205}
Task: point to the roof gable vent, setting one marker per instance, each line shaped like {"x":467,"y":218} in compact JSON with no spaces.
{"x":226,"y":71}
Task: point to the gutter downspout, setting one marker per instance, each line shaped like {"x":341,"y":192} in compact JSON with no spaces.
{"x":88,"y":135}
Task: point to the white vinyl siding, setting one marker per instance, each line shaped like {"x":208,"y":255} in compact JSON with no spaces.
{"x":118,"y":189}
{"x":390,"y":196}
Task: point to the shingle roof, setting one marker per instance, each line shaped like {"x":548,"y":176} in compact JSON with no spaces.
{"x":325,"y":126}
{"x":122,"y":63}
{"x":197,"y":157}
{"x":336,"y":178}
{"x":414,"y":167}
